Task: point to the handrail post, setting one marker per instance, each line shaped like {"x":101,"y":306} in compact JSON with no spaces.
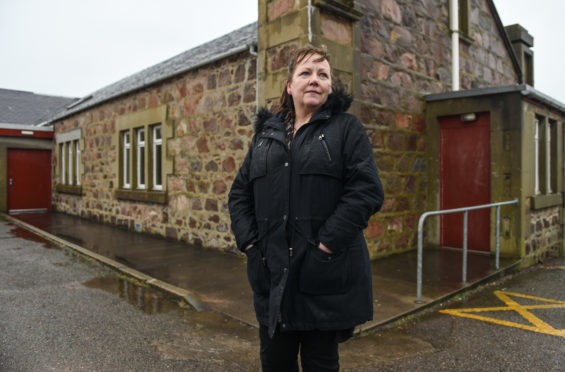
{"x":465,"y":211}
{"x":420,"y":258}
{"x":497,"y":250}
{"x":464,"y":268}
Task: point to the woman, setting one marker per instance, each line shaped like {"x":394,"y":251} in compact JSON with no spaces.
{"x":299,"y":204}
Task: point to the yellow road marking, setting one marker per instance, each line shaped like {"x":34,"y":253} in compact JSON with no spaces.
{"x":537,"y":325}
{"x":555,"y":267}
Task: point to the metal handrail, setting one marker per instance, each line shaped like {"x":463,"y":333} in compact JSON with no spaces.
{"x":465,"y":210}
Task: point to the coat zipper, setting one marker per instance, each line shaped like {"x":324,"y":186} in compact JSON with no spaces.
{"x":322,"y":139}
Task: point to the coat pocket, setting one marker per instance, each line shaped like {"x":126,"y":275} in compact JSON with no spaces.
{"x":257,"y":271}
{"x":324,"y":274}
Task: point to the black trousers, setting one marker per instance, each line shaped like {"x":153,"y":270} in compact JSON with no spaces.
{"x":318,"y":350}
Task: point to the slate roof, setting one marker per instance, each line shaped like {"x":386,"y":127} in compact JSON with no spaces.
{"x":235,"y":42}
{"x":28,"y":108}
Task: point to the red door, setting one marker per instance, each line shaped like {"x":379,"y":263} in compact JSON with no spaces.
{"x":29,"y":180}
{"x":465,"y":180}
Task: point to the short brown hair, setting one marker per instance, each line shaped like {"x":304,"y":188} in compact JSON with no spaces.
{"x":285,"y":102}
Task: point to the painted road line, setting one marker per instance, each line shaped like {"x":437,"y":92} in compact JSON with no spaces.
{"x":550,"y":267}
{"x":537,"y":325}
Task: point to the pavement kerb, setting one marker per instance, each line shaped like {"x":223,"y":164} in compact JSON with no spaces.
{"x":172,"y":290}
{"x":499,"y":274}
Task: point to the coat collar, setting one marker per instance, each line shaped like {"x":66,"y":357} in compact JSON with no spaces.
{"x":338,"y":102}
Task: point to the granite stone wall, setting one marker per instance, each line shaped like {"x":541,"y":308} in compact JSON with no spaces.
{"x":210,"y":112}
{"x":406,"y":54}
{"x":544,"y":237}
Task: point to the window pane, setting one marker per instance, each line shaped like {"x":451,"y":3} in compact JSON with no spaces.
{"x":554,"y":157}
{"x":548,"y":157}
{"x":126,"y":155}
{"x":62,"y":162}
{"x":157,"y":165}
{"x":141,"y":170}
{"x":141,"y":158}
{"x":77,"y":162}
{"x":70,"y":164}
{"x":127,"y":173}
{"x":463,"y":8}
{"x":536,"y":157}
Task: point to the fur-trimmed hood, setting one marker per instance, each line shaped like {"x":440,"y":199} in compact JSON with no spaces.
{"x":338,"y":102}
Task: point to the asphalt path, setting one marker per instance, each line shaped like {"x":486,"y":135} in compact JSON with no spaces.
{"x":62,"y":312}
{"x":515,"y":324}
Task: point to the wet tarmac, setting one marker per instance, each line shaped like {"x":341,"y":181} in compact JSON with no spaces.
{"x":63,"y":311}
{"x":219,"y":280}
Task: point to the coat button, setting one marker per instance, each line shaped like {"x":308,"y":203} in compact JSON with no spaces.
{"x":285,"y":270}
{"x":286,"y":164}
{"x":283,"y":325}
{"x":284,"y":217}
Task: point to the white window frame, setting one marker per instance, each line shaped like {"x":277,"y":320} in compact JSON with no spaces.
{"x":62,"y":151}
{"x":70,"y":165}
{"x":536,"y":156}
{"x":142,"y":175}
{"x":126,"y":142}
{"x":77,"y":161}
{"x":157,"y":142}
{"x":548,"y":156}
{"x":69,"y":151}
{"x":140,"y":157}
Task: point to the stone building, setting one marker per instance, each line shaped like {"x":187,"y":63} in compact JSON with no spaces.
{"x":157,"y":151}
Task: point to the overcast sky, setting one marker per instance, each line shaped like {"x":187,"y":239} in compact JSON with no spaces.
{"x":74,"y":47}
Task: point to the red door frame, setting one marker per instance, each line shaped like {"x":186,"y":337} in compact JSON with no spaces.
{"x":29,"y":179}
{"x":465,"y":180}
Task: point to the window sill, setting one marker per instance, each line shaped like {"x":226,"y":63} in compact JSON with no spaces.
{"x":546,"y":201}
{"x":339,"y":9}
{"x":467,"y":39}
{"x":158,"y":197}
{"x":68,"y":189}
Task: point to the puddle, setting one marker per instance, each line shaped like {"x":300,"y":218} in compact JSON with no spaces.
{"x":20,"y":232}
{"x":72,"y":239}
{"x":144,"y":299}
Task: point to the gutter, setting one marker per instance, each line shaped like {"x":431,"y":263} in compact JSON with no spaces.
{"x":529,"y":91}
{"x":524,"y":89}
{"x":25,"y":127}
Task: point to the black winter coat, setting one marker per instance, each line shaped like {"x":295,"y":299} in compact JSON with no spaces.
{"x":285,"y":201}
